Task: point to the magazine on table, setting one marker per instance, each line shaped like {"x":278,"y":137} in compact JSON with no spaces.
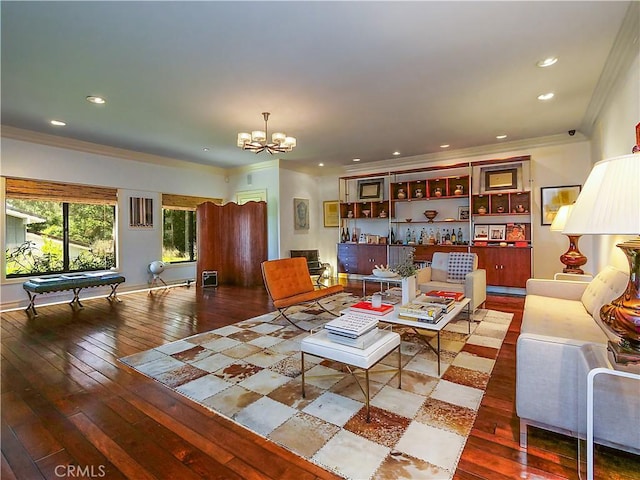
{"x":457,"y":296}
{"x":446,"y":304}
{"x":367,"y":307}
{"x":363,"y":341}
{"x":353,"y":324}
{"x":421,"y":312}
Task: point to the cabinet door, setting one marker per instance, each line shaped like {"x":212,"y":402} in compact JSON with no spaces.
{"x":347,"y":258}
{"x":505,"y":266}
{"x":515,"y":266}
{"x":369,"y":256}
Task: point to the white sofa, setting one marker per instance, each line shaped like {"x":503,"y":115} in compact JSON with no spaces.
{"x":438,"y":277}
{"x":561,"y":339}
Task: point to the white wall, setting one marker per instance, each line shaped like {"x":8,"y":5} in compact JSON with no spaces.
{"x":261,"y":176}
{"x":614,"y":135}
{"x":136,"y":247}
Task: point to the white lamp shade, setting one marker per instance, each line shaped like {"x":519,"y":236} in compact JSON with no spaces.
{"x":258,"y":136}
{"x":561,"y":218}
{"x":278,"y":137}
{"x":243,"y":138}
{"x":609,"y":203}
{"x":290,"y":142}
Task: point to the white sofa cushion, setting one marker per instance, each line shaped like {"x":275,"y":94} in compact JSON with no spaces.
{"x":603,"y":288}
{"x":439,"y":265}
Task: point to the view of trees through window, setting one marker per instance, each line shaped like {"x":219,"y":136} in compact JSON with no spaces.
{"x":53,"y":237}
{"x":178,"y":235}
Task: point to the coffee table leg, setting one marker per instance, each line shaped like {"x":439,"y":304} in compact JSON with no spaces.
{"x":399,"y":368}
{"x":366,"y":374}
{"x":438,"y":352}
{"x":303,"y":394}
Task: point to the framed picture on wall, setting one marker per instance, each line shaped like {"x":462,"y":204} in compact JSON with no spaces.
{"x":481,"y":232}
{"x":497,"y":233}
{"x":301,"y":214}
{"x":140,"y":212}
{"x":331,"y":211}
{"x":371,"y":190}
{"x":552,"y":198}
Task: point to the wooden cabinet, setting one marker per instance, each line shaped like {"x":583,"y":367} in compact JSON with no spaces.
{"x":505,"y":266}
{"x":360,"y":258}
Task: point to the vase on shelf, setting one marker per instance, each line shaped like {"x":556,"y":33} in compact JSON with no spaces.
{"x":401,"y":195}
{"x":459,"y":190}
{"x":418,"y":193}
{"x":437,"y":192}
{"x":482,"y":210}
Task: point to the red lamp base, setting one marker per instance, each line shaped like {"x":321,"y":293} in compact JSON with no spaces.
{"x":573,"y":258}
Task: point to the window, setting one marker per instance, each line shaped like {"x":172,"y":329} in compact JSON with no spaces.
{"x":179,"y":227}
{"x":178,"y":235}
{"x":58,"y":227}
{"x":54,"y":237}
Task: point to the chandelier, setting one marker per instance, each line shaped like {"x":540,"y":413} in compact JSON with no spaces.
{"x":256,"y":141}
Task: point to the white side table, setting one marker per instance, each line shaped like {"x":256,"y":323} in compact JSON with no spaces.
{"x":318,"y":344}
{"x":590,"y":407}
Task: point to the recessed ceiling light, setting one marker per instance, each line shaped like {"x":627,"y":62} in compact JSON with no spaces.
{"x":545,"y":96}
{"x":356,"y":159}
{"x":58,"y":123}
{"x":501,"y":137}
{"x":547,"y":62}
{"x":396,"y":153}
{"x":446,"y":145}
{"x":205,"y":149}
{"x":95,"y":99}
{"x":321,"y":164}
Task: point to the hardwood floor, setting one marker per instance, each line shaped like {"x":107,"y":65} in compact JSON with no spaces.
{"x":71,"y":410}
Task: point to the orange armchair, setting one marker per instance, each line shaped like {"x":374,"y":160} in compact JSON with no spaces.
{"x":288,"y":283}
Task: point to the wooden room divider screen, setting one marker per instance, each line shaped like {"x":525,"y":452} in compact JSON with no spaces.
{"x":232,"y":240}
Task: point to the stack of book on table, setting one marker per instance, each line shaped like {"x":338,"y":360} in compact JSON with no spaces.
{"x":421,"y":312}
{"x":367,"y":307}
{"x":354,"y":329}
{"x":457,"y":296}
{"x":446,"y":304}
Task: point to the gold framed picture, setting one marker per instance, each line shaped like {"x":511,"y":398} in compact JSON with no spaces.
{"x":331,"y":211}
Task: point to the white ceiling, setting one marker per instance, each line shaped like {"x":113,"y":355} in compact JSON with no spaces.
{"x":348,"y":79}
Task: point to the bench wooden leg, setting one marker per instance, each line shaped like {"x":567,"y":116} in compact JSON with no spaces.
{"x":112,"y":295}
{"x":76,"y":298}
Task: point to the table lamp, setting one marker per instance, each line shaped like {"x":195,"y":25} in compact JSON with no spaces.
{"x":609,"y":204}
{"x":573,"y":259}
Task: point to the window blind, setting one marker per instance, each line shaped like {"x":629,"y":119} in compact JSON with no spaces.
{"x":27,"y":189}
{"x":185,"y":202}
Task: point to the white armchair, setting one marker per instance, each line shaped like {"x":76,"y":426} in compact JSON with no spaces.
{"x":455,"y":272}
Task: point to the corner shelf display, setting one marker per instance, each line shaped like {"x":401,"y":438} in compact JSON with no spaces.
{"x":512,"y":203}
{"x":367,"y":210}
{"x":430,"y":189}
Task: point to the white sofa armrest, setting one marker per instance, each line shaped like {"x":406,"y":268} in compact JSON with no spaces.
{"x":556,"y":288}
{"x":475,"y":287}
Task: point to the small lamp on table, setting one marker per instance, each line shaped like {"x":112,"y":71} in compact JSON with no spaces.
{"x":572,"y":259}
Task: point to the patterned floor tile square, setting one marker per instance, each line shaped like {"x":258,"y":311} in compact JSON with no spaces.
{"x":304,"y":434}
{"x":254,"y":416}
{"x":436,"y":446}
{"x":351,"y":455}
{"x":252,"y":372}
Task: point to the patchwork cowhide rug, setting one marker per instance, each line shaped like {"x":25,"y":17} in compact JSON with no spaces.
{"x":250,"y":372}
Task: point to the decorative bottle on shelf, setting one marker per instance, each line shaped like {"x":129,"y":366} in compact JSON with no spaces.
{"x":392,"y":237}
{"x":447,"y":237}
{"x":354,"y":237}
{"x":438,"y":237}
{"x":343,"y":236}
{"x":346,"y":236}
{"x":407,"y":237}
{"x":460,"y":241}
{"x":453,"y":236}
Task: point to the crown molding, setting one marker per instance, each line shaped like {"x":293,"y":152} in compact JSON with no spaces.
{"x":622,"y":55}
{"x":56,"y":141}
{"x":455,"y":156}
{"x":254,"y":167}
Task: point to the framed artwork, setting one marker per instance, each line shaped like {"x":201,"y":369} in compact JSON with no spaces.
{"x":301,"y":214}
{"x":371,"y":190}
{"x":331,"y":211}
{"x":552,"y":198}
{"x":497,"y":233}
{"x":516,"y":232}
{"x":501,"y":178}
{"x":481,"y":232}
{"x":140,"y":212}
{"x":463,"y":213}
